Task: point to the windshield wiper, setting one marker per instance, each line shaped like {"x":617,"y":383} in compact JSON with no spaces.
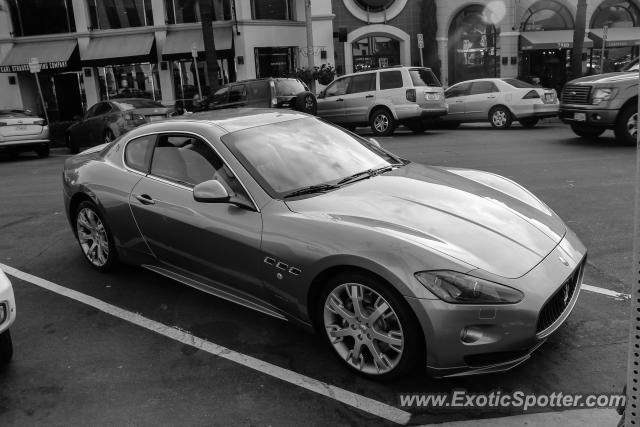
{"x":310,"y":190}
{"x":368,"y":173}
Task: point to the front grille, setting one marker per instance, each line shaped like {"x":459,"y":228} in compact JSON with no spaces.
{"x":560,"y":301}
{"x":576,"y":94}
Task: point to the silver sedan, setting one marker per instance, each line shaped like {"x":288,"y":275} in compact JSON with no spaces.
{"x":500,"y":102}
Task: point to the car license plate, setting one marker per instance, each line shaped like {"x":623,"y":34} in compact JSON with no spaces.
{"x":21,"y":127}
{"x":580,"y":117}
{"x":432,"y":96}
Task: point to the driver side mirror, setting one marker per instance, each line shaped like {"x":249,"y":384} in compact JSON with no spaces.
{"x":374,"y":142}
{"x":322,"y":93}
{"x":210,"y":192}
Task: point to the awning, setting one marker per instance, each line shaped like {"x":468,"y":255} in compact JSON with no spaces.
{"x":52,"y":55}
{"x":616,"y":37}
{"x":120,"y":50}
{"x":178,"y":44}
{"x":560,"y":39}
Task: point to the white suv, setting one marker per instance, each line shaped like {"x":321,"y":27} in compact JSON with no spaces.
{"x":384,"y":98}
{"x":7,"y":317}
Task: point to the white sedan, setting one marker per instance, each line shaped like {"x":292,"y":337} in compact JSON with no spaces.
{"x":7,"y":317}
{"x":499,"y":101}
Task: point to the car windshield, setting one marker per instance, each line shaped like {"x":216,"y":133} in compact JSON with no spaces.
{"x":130,"y":104}
{"x":423,"y":77}
{"x":289,"y":87}
{"x":518,"y":83}
{"x":300,"y":153}
{"x":15,"y":113}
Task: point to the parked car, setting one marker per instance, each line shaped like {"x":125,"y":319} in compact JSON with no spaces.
{"x":7,"y":317}
{"x":593,"y":104}
{"x":21,"y":130}
{"x":383,"y":99}
{"x":500,"y":102}
{"x":107,"y":120}
{"x":398,"y":265}
{"x":269,"y":92}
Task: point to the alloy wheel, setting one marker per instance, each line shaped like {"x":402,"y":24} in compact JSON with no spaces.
{"x":499,"y":118}
{"x":363,"y":328}
{"x":93,"y":237}
{"x":632,"y":126}
{"x":308,"y":103}
{"x":381,"y":123}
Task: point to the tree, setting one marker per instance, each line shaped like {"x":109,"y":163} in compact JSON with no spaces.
{"x":429,"y":27}
{"x":578,"y":39}
{"x":211,"y":58}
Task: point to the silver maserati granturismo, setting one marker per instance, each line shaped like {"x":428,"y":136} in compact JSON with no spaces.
{"x":397,"y":265}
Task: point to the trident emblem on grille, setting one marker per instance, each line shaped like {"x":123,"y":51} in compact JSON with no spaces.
{"x":565,"y":298}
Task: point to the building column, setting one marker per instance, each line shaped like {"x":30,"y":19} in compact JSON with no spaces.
{"x":443,"y":54}
{"x":509,"y":48}
{"x":91,"y":85}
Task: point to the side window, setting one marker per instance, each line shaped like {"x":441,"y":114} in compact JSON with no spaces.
{"x":188,"y":160}
{"x":461,"y":89}
{"x":220,"y":97}
{"x":362,"y":83}
{"x":339,"y":87}
{"x":137,"y":154}
{"x":102,"y":108}
{"x":259,"y":90}
{"x":478,"y":88}
{"x":390,"y":79}
{"x":237,"y":93}
{"x":92,"y":111}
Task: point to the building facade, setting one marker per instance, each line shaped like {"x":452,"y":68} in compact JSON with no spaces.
{"x":92,"y":50}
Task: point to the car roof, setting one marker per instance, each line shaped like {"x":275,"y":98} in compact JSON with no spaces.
{"x":235,"y":119}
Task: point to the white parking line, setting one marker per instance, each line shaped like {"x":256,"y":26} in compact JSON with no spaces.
{"x":357,"y":401}
{"x":607,"y":292}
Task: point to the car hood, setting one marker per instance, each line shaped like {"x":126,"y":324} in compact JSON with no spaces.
{"x":479,"y":218}
{"x":607,"y":78}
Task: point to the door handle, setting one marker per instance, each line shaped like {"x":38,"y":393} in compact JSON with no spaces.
{"x":339,"y":99}
{"x":145,"y":199}
{"x":459,"y":102}
{"x":491,"y":97}
{"x":369,"y":96}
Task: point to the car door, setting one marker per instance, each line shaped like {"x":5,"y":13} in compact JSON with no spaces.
{"x":483,"y":95}
{"x":331,"y":102}
{"x":456,"y":96}
{"x":218,"y":243}
{"x":359,"y":98}
{"x":80,"y":131}
{"x":96,"y":125}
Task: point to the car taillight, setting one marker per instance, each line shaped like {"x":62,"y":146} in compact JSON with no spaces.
{"x":411,"y":95}
{"x":39,"y":122}
{"x":131,"y":117}
{"x":274,"y":101}
{"x":532,"y":94}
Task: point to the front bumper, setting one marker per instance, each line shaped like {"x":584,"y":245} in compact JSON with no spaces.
{"x":593,"y":117}
{"x":508,"y":334}
{"x":7,"y":299}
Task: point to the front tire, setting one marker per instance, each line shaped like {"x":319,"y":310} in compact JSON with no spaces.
{"x":500,"y":117}
{"x":306,"y":102}
{"x":382,"y":122}
{"x":587,"y":132}
{"x":369,"y":327}
{"x":626,"y":129}
{"x":94,"y":237}
{"x":6,"y":348}
{"x":43,"y":151}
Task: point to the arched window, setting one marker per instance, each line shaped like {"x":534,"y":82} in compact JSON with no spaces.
{"x":374,"y":5}
{"x":547,"y":15}
{"x":375,"y":52}
{"x":616,"y":13}
{"x":473,"y":46}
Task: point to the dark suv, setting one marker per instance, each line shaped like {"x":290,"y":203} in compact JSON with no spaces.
{"x":264,"y":93}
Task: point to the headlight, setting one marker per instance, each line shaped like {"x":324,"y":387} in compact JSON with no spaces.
{"x":4,"y":313}
{"x":458,"y":288}
{"x":603,"y":94}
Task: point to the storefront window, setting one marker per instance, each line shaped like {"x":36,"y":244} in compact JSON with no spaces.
{"x":272,"y":9}
{"x":473,"y":46}
{"x":34,"y":17}
{"x":615,"y":13}
{"x":129,"y":81}
{"x":185,"y":80}
{"x":374,"y":5}
{"x":107,"y":14}
{"x":547,"y":15}
{"x":184,"y":11}
{"x":375,"y":52}
{"x":275,"y":61}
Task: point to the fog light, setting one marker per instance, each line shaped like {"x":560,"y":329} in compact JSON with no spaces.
{"x":3,"y":312}
{"x":596,"y":117}
{"x":469,"y":335}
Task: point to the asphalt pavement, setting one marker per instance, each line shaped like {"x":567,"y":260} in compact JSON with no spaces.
{"x":87,"y":358}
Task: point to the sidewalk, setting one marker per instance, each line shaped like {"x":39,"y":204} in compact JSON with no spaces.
{"x":570,"y":418}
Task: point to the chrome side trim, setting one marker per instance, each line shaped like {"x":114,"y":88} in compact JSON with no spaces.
{"x":214,"y":291}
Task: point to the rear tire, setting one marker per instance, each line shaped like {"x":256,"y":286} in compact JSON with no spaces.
{"x":6,"y":348}
{"x":587,"y":132}
{"x":500,"y":117}
{"x":94,"y":236}
{"x":416,"y":126}
{"x":528,"y":123}
{"x":627,"y":125}
{"x":306,"y":103}
{"x":43,"y":151}
{"x":382,"y":122}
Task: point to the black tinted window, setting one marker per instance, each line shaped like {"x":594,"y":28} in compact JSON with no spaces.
{"x":237,"y":93}
{"x":390,"y":79}
{"x":518,"y":83}
{"x":289,"y":87}
{"x":461,"y":89}
{"x":423,"y":77}
{"x":137,"y":154}
{"x":220,"y":97}
{"x":482,"y":87}
{"x":102,"y":108}
{"x":363,"y":83}
{"x":259,"y":90}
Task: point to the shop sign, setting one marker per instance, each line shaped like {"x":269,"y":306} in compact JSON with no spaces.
{"x":565,"y":45}
{"x":54,"y":65}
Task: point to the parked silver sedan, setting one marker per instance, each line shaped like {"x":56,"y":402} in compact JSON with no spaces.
{"x":499,"y":101}
{"x":397,"y":265}
{"x":21,"y":130}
